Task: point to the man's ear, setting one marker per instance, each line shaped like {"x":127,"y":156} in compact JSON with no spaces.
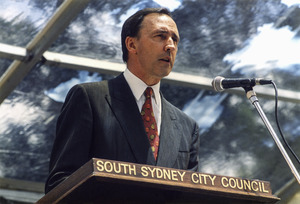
{"x":130,"y":44}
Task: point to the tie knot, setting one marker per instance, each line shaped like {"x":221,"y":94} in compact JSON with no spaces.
{"x":148,"y":92}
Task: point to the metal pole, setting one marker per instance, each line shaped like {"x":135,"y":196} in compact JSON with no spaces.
{"x":253,"y":99}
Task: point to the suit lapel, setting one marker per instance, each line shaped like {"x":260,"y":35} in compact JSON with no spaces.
{"x":124,"y":107}
{"x":170,"y":136}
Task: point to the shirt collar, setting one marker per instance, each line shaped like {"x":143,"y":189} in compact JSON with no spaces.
{"x":138,"y":87}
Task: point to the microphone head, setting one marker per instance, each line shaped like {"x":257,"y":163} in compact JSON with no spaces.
{"x":217,"y":84}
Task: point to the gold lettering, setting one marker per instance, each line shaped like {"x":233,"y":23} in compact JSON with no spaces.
{"x":106,"y":164}
{"x":200,"y":178}
{"x":193,"y":179}
{"x":203,"y":179}
{"x":222,"y":182}
{"x":124,"y":167}
{"x":159,"y":173}
{"x":212,"y":179}
{"x":252,"y":185}
{"x":119,"y":168}
{"x":263,"y":187}
{"x":132,"y":169}
{"x":167,"y":174}
{"x":174,"y":175}
{"x":152,"y":172}
{"x":247,"y":184}
{"x":260,"y":186}
{"x":234,"y":183}
{"x":100,"y":165}
{"x":181,"y":175}
{"x":144,"y":171}
{"x":237,"y":183}
{"x":204,"y":176}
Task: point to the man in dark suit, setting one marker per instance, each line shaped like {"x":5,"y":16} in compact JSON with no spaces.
{"x":105,"y":119}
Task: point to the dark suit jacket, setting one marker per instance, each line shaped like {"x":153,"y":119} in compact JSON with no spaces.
{"x":102,"y":120}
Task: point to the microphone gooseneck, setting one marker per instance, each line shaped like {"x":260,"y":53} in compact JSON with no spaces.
{"x":220,"y":83}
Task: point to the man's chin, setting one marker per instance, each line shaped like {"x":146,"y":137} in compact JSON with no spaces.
{"x":166,"y":73}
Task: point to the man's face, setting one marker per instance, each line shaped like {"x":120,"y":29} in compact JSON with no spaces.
{"x":156,"y":47}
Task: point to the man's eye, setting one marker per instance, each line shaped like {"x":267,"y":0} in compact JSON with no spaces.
{"x":161,"y":36}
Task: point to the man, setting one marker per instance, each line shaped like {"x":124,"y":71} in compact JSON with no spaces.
{"x":106,"y":119}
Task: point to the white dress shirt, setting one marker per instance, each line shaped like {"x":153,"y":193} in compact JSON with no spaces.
{"x":138,"y":88}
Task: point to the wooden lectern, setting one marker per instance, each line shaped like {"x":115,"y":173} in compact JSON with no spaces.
{"x":107,"y":181}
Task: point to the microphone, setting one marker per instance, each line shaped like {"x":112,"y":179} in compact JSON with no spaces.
{"x":220,"y":83}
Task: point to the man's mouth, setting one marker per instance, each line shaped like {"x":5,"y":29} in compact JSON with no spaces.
{"x":166,"y":59}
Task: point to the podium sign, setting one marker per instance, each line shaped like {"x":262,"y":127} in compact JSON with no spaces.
{"x":107,"y":181}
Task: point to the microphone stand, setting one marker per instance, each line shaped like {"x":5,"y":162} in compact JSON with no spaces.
{"x":251,"y":95}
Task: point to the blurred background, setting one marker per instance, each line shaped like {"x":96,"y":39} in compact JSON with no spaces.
{"x":230,"y":38}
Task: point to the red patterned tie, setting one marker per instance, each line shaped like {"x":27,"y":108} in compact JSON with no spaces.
{"x":149,"y":122}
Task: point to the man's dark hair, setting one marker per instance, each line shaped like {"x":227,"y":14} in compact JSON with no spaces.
{"x":132,"y":25}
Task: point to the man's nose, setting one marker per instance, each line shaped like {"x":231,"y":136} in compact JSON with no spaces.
{"x":170,"y":45}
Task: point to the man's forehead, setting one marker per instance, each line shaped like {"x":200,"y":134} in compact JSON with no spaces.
{"x":160,"y":22}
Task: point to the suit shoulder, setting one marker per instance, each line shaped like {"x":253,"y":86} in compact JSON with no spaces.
{"x":91,"y":90}
{"x":91,"y":87}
